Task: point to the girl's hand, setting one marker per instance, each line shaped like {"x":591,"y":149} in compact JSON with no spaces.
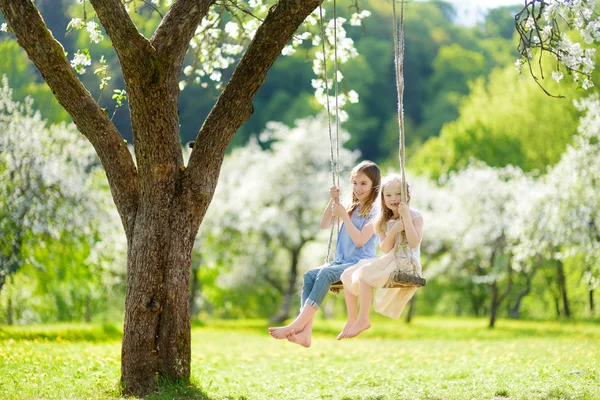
{"x":398,"y":226}
{"x":403,"y":210}
{"x":334,"y":192}
{"x":338,"y":210}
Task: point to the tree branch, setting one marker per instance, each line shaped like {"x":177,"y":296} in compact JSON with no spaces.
{"x":49,"y":57}
{"x":172,"y":37}
{"x":234,"y":106}
{"x":131,"y":46}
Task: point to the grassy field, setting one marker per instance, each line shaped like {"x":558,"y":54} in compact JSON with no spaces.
{"x":428,"y":359}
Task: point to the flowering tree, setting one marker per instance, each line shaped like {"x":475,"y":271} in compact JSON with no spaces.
{"x":274,"y":198}
{"x":471,"y":225}
{"x":49,"y":189}
{"x":543,"y":27}
{"x":575,"y":180}
{"x":160,"y":200}
{"x":560,"y":216}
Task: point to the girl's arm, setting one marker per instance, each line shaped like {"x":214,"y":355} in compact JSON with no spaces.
{"x":359,"y":237}
{"x":414,"y":229}
{"x":387,"y":241}
{"x":327,"y":218}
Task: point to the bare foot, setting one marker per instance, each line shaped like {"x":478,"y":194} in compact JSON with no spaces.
{"x":302,"y":338}
{"x":281,"y":332}
{"x":359,"y":326}
{"x":344,"y":331}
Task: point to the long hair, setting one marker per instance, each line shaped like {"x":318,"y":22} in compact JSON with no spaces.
{"x":371,"y":170}
{"x":385,"y":214}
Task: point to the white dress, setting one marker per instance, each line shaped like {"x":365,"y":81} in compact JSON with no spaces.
{"x":377,"y":272}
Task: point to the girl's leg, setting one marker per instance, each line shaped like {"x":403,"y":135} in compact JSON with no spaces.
{"x":362,"y":321}
{"x":324,"y":278}
{"x":351,"y":300}
{"x":303,"y":338}
{"x":297,"y":325}
{"x":352,"y":309}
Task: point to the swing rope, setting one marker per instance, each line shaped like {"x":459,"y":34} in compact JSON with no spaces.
{"x":335,"y":168}
{"x":398,"y":279}
{"x":402,"y":279}
{"x":399,"y":67}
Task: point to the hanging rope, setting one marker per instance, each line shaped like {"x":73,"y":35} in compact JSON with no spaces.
{"x":400,"y":278}
{"x":334,"y":161}
{"x":399,"y":64}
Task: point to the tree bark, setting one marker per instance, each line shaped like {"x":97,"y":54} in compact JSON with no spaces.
{"x":291,"y":289}
{"x":494,"y":305}
{"x":562,"y":286}
{"x":88,"y":309}
{"x":411,"y":310}
{"x":194,"y":289}
{"x":9,"y":312}
{"x":516,"y":310}
{"x":591,"y":297}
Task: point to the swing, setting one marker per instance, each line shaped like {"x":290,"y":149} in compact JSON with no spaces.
{"x":398,"y":279}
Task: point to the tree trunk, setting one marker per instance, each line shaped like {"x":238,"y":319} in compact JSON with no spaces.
{"x":156,"y":335}
{"x":194,"y":289}
{"x":562,"y":286}
{"x":291,"y":289}
{"x":88,"y":309}
{"x":516,"y":310}
{"x":9,"y":312}
{"x":515,"y":313}
{"x":411,"y":310}
{"x":591,"y":293}
{"x":494,"y":305}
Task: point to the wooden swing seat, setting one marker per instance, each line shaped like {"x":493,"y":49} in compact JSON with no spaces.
{"x":399,"y":280}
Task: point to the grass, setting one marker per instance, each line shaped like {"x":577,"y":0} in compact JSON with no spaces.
{"x":431,"y":358}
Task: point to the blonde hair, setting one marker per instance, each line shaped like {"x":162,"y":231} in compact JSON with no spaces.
{"x":385,"y":214}
{"x":371,"y":170}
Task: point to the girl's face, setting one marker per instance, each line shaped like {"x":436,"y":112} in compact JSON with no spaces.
{"x":392,"y":195}
{"x":361,"y":186}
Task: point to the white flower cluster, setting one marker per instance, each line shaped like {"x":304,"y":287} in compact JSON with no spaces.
{"x":94,"y":30}
{"x":3,"y":27}
{"x":80,"y":61}
{"x":214,"y":48}
{"x":335,"y":35}
{"x":580,"y":16}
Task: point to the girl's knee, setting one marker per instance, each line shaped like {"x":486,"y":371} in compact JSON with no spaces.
{"x":311,"y":274}
{"x":346,"y":276}
{"x":328,"y":276}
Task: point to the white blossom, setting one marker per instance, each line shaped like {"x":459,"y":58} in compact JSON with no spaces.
{"x":76,"y":23}
{"x":557,"y":75}
{"x":94,"y":30}
{"x":80,"y":61}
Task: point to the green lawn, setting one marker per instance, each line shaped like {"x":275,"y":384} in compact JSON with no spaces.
{"x":428,"y":359}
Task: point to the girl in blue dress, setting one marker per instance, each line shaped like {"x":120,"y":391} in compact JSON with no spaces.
{"x":356,"y":241}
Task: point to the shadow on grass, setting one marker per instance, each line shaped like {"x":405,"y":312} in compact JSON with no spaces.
{"x":178,"y":390}
{"x":181,"y":390}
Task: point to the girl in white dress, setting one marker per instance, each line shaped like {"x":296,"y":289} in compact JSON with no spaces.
{"x":400,"y":231}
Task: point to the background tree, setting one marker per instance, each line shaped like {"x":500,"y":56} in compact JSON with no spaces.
{"x":51,"y":202}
